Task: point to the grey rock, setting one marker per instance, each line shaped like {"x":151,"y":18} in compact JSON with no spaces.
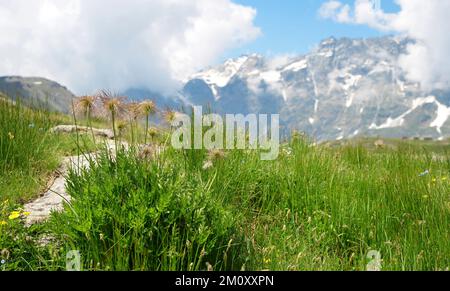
{"x":106,"y":133}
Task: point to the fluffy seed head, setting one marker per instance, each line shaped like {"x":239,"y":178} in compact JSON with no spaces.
{"x":216,"y":155}
{"x":121,"y":126}
{"x":170,"y":116}
{"x":152,"y":132}
{"x":134,"y":110}
{"x":85,"y":104}
{"x":113,"y":103}
{"x":147,"y":107}
{"x":147,"y":153}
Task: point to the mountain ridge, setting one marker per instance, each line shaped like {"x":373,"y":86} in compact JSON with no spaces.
{"x":342,"y":89}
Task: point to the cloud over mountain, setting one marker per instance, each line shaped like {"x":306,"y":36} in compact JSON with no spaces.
{"x":91,"y":44}
{"x":427,"y":60}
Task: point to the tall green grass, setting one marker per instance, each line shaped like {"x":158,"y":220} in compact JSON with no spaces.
{"x":145,"y":215}
{"x":27,"y":157}
{"x":29,"y":153}
{"x":26,"y":149}
{"x":314,"y":208}
{"x":22,"y":135}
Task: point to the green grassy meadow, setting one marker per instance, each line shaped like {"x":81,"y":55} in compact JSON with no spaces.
{"x":317,"y":207}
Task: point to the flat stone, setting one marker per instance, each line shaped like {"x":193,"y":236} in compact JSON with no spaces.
{"x":106,"y":133}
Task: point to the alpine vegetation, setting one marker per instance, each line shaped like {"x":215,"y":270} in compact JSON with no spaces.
{"x":364,"y":205}
{"x":333,"y":157}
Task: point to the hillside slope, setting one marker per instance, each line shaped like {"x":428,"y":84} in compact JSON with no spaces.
{"x":38,"y":90}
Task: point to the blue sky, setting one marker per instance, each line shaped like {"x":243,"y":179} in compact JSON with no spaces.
{"x":294,"y":26}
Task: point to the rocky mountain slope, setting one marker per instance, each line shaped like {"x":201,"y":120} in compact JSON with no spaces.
{"x":38,"y":91}
{"x":342,"y":89}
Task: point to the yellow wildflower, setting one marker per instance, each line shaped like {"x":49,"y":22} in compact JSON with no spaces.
{"x":3,"y":223}
{"x":14,"y":215}
{"x":26,"y":213}
{"x":10,"y":135}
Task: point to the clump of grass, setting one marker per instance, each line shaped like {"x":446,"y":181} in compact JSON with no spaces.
{"x":146,"y":216}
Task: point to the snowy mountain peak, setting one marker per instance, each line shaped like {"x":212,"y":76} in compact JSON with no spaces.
{"x":343,"y":88}
{"x":328,"y":41}
{"x":222,"y":75}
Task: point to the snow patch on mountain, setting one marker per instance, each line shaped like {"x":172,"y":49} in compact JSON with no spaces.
{"x":221,"y":77}
{"x":350,"y":98}
{"x":381,"y":67}
{"x":297,"y":66}
{"x":326,"y":54}
{"x":285,"y":95}
{"x":399,"y":121}
{"x":391,"y":122}
{"x":271,"y":76}
{"x":443,"y":114}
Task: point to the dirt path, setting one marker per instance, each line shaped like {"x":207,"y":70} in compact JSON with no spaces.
{"x":53,"y":199}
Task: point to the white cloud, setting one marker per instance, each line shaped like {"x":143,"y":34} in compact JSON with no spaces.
{"x":427,"y":22}
{"x":363,"y":12}
{"x":91,"y":44}
{"x":336,"y":11}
